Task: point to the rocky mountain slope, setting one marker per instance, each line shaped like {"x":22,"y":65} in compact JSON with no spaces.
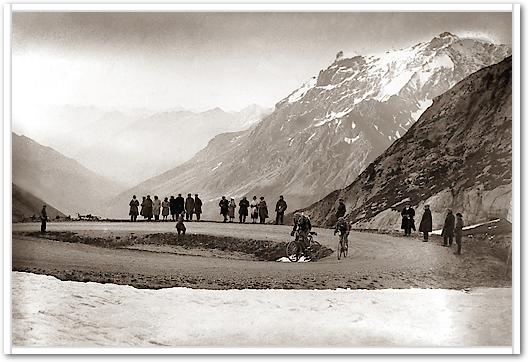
{"x":25,"y":205}
{"x":136,"y":144}
{"x":457,"y":155}
{"x":61,"y":181}
{"x":325,"y":133}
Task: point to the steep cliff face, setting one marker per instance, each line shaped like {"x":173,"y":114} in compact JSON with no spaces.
{"x":457,"y":155}
{"x":322,"y":135}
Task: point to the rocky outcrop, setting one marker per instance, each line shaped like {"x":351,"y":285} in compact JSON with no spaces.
{"x":324,"y":134}
{"x":458,"y":155}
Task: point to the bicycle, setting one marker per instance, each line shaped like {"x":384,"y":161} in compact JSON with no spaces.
{"x":342,"y":246}
{"x":294,"y":249}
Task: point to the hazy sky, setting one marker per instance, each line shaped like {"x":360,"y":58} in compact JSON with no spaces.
{"x":204,"y":60}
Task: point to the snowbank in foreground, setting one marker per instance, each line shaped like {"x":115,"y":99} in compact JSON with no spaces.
{"x":50,"y":312}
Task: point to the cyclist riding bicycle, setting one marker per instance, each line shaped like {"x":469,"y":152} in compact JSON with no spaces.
{"x":302,"y":225}
{"x":344,"y":229}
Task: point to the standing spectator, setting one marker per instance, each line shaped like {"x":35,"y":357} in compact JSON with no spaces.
{"x":449,"y":228}
{"x":407,"y":220}
{"x":180,"y":205}
{"x":224,"y":207}
{"x":426,"y":225}
{"x":142,"y":211}
{"x":165,"y":206}
{"x":134,"y":211}
{"x":43,"y":219}
{"x":254,"y":209}
{"x":231,"y":209}
{"x":262,"y":210}
{"x":341,"y":209}
{"x":189,"y":207}
{"x":172,"y":206}
{"x":147,"y":209}
{"x":243,"y":209}
{"x":280,"y":207}
{"x":156,"y":207}
{"x":458,"y":232}
{"x":197,"y":207}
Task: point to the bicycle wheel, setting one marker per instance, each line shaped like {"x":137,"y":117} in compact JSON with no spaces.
{"x":293,"y":251}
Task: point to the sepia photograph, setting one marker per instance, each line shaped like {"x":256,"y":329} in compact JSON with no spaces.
{"x":250,"y":178}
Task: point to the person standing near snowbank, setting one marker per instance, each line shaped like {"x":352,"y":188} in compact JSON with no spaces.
{"x":426,"y":225}
{"x":407,"y":220}
{"x":449,"y":228}
{"x":263,"y":210}
{"x":458,"y":232}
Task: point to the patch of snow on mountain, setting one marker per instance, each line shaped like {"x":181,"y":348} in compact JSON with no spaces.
{"x":312,"y":136}
{"x":301,"y":92}
{"x":423,"y":105}
{"x":332,"y":116}
{"x":352,"y":140}
{"x":216,"y":167}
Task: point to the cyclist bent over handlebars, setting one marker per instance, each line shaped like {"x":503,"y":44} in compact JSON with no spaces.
{"x":302,"y":225}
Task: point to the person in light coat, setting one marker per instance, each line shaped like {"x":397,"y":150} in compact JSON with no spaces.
{"x":156,"y":208}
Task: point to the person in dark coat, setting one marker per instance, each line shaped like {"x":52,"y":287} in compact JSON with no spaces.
{"x":134,"y":208}
{"x":426,"y":225}
{"x":172,"y":207}
{"x":180,"y":205}
{"x":189,"y":207}
{"x":243,"y":206}
{"x":147,"y":208}
{"x":224,"y":207}
{"x":197,"y":207}
{"x":449,"y":228}
{"x":142,"y":211}
{"x":408,"y":220}
{"x":263,"y":210}
{"x":43,"y":219}
{"x":341,"y":208}
{"x":459,"y":225}
{"x":280,"y":207}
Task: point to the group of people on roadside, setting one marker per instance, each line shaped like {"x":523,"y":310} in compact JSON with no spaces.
{"x":256,"y":209}
{"x":452,"y":226}
{"x":173,"y":206}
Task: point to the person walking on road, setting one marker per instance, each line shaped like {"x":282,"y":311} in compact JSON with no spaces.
{"x":263,"y":210}
{"x":231,"y":209}
{"x":254,"y":209}
{"x":165,"y":206}
{"x":459,"y":225}
{"x":156,"y":207}
{"x":224,"y":207}
{"x":449,"y":228}
{"x":426,"y":225}
{"x":43,"y":219}
{"x":134,"y":208}
{"x":243,"y":206}
{"x":197,"y":207}
{"x":280,"y":208}
{"x":189,"y":207}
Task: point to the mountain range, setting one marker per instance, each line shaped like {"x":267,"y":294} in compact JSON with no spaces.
{"x":323,"y":135}
{"x":458,"y":155}
{"x":58,"y":180}
{"x":136,"y":143}
{"x":26,"y":205}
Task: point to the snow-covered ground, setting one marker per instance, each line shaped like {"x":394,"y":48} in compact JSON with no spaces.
{"x":49,"y":312}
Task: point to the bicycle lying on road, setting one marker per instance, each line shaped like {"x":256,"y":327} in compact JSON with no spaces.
{"x":294,"y":250}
